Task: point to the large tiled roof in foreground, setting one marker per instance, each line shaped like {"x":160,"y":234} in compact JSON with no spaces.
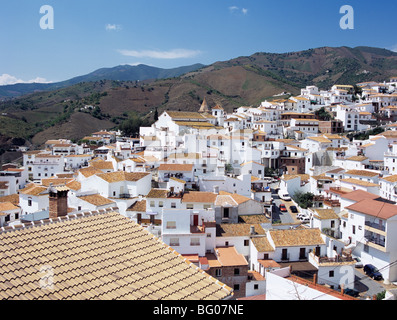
{"x":101,"y":256}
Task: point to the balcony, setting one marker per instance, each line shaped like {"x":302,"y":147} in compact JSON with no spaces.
{"x":375,"y":242}
{"x":125,"y":196}
{"x":375,"y":226}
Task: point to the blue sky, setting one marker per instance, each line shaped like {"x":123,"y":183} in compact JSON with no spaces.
{"x":90,"y":34}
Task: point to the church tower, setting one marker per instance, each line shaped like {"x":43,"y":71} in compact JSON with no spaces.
{"x":204,"y":107}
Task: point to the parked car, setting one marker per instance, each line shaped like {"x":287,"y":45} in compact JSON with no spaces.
{"x":293,"y":209}
{"x":352,"y":292}
{"x":371,"y":271}
{"x":283,"y":208}
{"x":283,"y":195}
{"x":304,"y":218}
{"x":359,"y":263}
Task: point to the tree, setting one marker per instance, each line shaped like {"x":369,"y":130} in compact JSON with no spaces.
{"x":156,"y":115}
{"x":323,"y":115}
{"x":130,"y":127}
{"x":304,"y":200}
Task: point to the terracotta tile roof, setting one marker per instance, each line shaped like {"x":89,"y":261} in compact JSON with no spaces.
{"x":178,"y":180}
{"x":139,"y":206}
{"x":89,"y":171}
{"x":364,"y":173}
{"x":253,"y":218}
{"x":304,"y":177}
{"x":101,"y":165}
{"x":360,"y":182}
{"x":118,"y":176}
{"x":319,"y":139}
{"x":55,"y":181}
{"x":13,"y":198}
{"x":390,"y":178}
{"x":3,"y":185}
{"x":237,"y":229}
{"x":74,"y":185}
{"x":199,"y":196}
{"x":34,"y":190}
{"x":296,"y":237}
{"x":225,"y":200}
{"x":157,"y":193}
{"x":380,"y":209}
{"x":359,"y":195}
{"x":239,"y":199}
{"x":96,"y":200}
{"x":262,"y":244}
{"x":324,"y":214}
{"x":99,"y":256}
{"x":357,"y":158}
{"x":7,"y":206}
{"x":65,"y":175}
{"x":175,"y":167}
{"x":228,"y":257}
{"x":175,"y":115}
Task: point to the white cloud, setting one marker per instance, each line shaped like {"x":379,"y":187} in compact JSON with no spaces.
{"x":6,"y":79}
{"x":113,"y":27}
{"x":235,"y":9}
{"x":394,"y":48}
{"x":171,"y":54}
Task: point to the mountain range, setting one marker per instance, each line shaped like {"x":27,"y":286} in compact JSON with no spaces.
{"x":119,"y":73}
{"x":114,"y":96}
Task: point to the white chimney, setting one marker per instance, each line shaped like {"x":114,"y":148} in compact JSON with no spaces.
{"x":216,"y":189}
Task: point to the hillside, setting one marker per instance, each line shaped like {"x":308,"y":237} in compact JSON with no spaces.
{"x":120,"y":73}
{"x":249,"y":80}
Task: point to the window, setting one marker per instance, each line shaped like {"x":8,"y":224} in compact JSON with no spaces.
{"x":206,"y":206}
{"x":174,"y":242}
{"x":189,"y":206}
{"x":151,"y":204}
{"x":208,"y":235}
{"x":161,"y":204}
{"x":218,"y":272}
{"x":256,"y":286}
{"x":195,"y":241}
{"x":236,"y":287}
{"x":331,"y":273}
{"x":171,"y":225}
{"x":30,"y":202}
{"x":246,"y":243}
{"x":173,"y":205}
{"x":236,"y":271}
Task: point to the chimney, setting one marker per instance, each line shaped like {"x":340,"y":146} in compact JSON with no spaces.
{"x":58,"y":201}
{"x":315,"y":278}
{"x":216,"y":189}
{"x":252,"y":230}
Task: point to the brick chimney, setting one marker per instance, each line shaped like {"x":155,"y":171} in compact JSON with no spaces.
{"x":58,"y":201}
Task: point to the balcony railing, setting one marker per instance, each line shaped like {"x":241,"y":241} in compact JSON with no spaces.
{"x":375,"y":225}
{"x":125,"y":196}
{"x":379,"y":242}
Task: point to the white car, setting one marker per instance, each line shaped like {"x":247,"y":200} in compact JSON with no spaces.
{"x":284,"y":196}
{"x":303,"y":217}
